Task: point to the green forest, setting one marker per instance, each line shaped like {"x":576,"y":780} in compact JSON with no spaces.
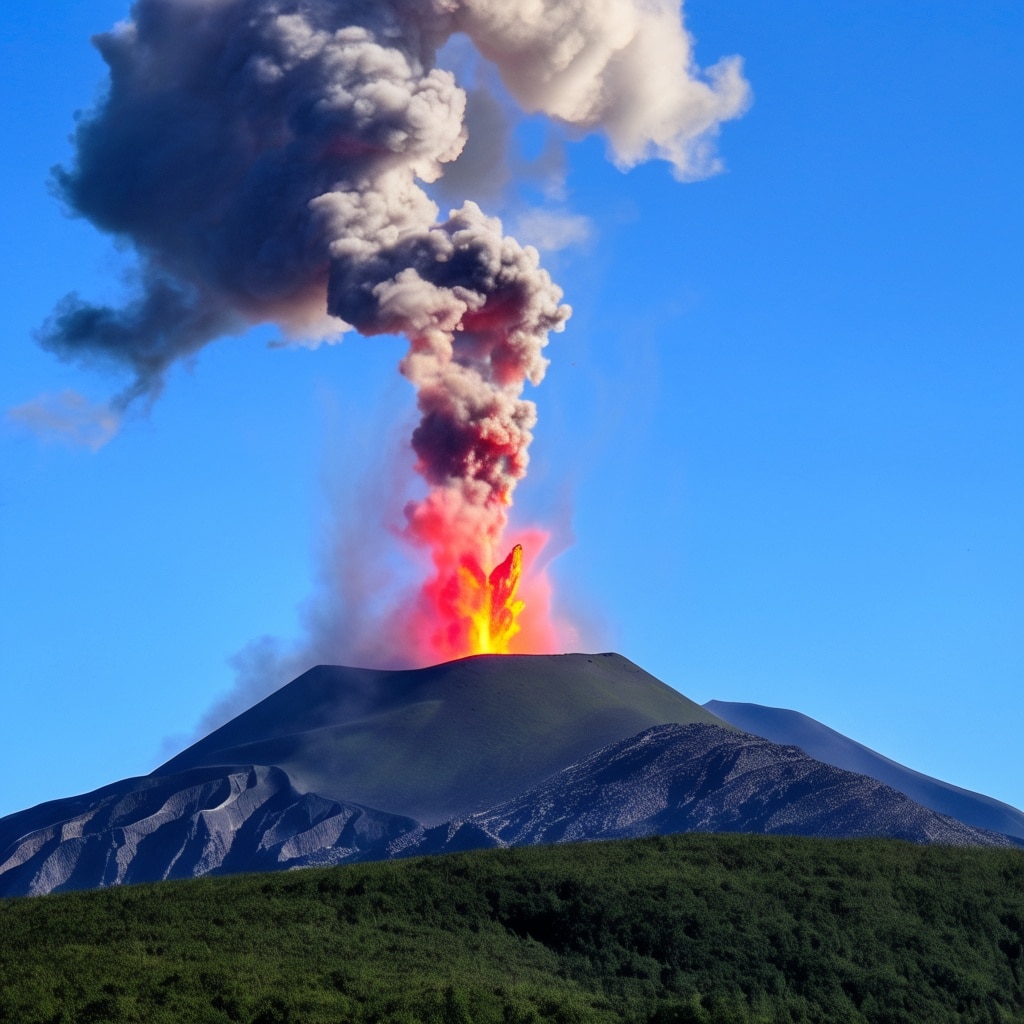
{"x":687,"y":929}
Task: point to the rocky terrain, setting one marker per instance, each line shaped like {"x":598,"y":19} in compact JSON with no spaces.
{"x":517,"y":751}
{"x":825,"y":744}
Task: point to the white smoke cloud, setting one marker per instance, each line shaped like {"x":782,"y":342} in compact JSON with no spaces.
{"x":625,"y":67}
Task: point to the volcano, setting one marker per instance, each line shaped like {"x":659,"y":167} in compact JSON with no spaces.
{"x":441,"y":742}
{"x":347,"y":764}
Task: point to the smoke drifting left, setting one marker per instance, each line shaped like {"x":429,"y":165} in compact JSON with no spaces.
{"x":266,"y":160}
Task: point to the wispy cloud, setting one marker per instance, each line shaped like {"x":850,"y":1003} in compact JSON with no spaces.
{"x":551,"y":230}
{"x":68,"y":418}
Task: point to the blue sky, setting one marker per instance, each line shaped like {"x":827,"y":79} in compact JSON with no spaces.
{"x":782,"y":437}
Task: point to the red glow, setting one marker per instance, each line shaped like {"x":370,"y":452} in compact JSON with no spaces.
{"x":476,"y":604}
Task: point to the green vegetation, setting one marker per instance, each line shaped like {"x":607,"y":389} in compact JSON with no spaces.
{"x":690,"y":929}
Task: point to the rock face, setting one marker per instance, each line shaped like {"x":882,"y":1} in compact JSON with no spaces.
{"x":210,"y":811}
{"x":199,"y":822}
{"x":701,"y":778}
{"x":825,"y":744}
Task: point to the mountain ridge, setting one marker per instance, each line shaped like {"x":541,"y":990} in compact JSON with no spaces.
{"x":826,"y":744}
{"x":700,"y":778}
{"x":497,"y":750}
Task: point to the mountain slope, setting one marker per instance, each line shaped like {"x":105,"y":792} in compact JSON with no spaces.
{"x":687,"y":778}
{"x":667,"y":779}
{"x":197,"y":822}
{"x":488,"y":751}
{"x":438,"y":742}
{"x":825,"y":744}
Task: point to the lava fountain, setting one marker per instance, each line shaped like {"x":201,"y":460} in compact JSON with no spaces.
{"x":484,"y":605}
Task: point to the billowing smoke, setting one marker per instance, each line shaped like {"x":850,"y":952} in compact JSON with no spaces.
{"x":266,"y":160}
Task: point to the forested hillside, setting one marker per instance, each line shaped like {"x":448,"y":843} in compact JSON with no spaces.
{"x":688,"y":929}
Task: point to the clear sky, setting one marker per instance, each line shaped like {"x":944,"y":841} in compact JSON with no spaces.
{"x":781,"y":441}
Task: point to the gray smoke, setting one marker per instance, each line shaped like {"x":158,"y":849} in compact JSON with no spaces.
{"x":252,"y":151}
{"x":266,"y":160}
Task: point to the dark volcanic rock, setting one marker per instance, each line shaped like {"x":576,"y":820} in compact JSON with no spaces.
{"x":684,"y":778}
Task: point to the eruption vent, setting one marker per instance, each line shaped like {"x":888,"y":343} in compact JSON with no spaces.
{"x":482,"y":609}
{"x":266,"y":160}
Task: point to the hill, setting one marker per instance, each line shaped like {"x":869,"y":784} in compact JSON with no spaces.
{"x":700,"y":778}
{"x":693,"y":929}
{"x":831,"y":747}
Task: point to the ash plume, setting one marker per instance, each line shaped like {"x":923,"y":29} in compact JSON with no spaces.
{"x":266,"y":159}
{"x":251,"y":151}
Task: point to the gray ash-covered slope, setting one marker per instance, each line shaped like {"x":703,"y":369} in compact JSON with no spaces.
{"x":197,"y":822}
{"x":345,"y":765}
{"x":439,"y":742}
{"x":686,"y":778}
{"x":825,"y":744}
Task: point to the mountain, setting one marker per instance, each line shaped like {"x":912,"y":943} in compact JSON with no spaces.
{"x":197,"y":822}
{"x":833,"y":748}
{"x":346,"y":765}
{"x":700,"y":778}
{"x":438,"y":742}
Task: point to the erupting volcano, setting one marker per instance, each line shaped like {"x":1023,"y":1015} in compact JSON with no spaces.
{"x":477,"y":309}
{"x":271,"y":160}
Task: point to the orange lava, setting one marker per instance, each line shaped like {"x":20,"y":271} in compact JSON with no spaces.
{"x":472,"y":603}
{"x":488,"y":603}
